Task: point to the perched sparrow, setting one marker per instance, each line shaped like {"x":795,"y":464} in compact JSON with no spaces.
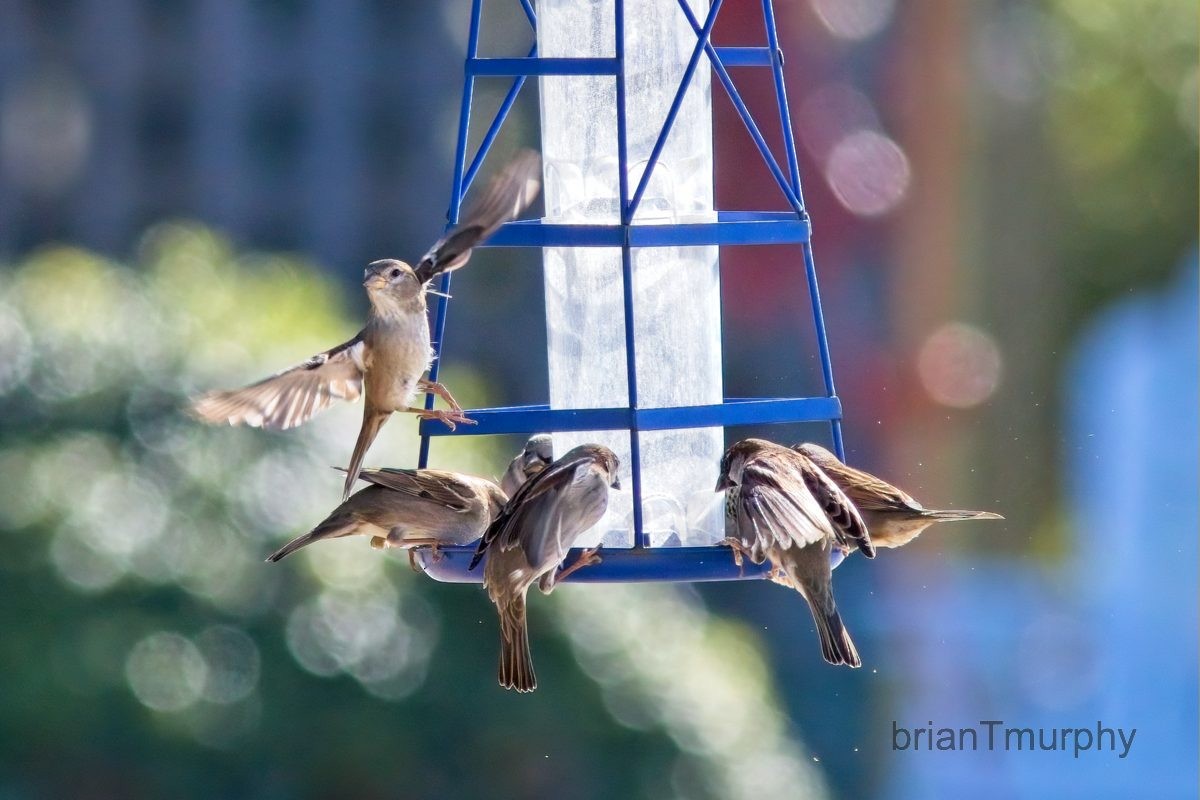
{"x":410,"y":508}
{"x":537,"y":455}
{"x":786,"y":510}
{"x":391,"y":354}
{"x":893,"y":517}
{"x":530,"y":538}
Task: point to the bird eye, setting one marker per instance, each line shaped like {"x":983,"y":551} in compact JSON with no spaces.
{"x":395,"y":273}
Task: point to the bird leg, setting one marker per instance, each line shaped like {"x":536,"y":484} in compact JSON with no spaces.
{"x":435,"y":554}
{"x":448,"y":417}
{"x":435,"y":388}
{"x":383,"y":543}
{"x":739,"y":550}
{"x":587,"y":558}
{"x":777,"y":575}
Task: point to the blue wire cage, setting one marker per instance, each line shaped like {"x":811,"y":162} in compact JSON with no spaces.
{"x":641,"y":562}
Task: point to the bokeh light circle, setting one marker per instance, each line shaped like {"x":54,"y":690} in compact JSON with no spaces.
{"x":868,"y":173}
{"x":959,"y":365}
{"x":166,"y":672}
{"x":854,"y":20}
{"x":233,"y":663}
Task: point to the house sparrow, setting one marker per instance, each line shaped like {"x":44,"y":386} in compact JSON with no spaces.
{"x":537,"y":455}
{"x":530,"y":538}
{"x":410,"y":508}
{"x":786,"y":510}
{"x":893,"y":517}
{"x":390,"y":355}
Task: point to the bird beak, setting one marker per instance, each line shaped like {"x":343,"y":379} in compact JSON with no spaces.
{"x":375,"y":282}
{"x":723,"y":483}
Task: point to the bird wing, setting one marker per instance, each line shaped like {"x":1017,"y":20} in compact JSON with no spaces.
{"x":506,"y":196}
{"x":788,"y":501}
{"x":848,"y":526}
{"x":446,"y":489}
{"x":770,"y":515}
{"x":291,"y":397}
{"x":528,"y":501}
{"x":866,"y":491}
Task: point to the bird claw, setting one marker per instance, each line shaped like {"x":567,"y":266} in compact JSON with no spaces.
{"x":435,"y":555}
{"x":437,"y":389}
{"x":777,"y":575}
{"x":448,"y":417}
{"x":587,"y":558}
{"x":740,"y":551}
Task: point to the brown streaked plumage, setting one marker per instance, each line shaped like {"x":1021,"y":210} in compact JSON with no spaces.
{"x":787,"y":511}
{"x":410,"y":508}
{"x":386,"y":360}
{"x":893,"y":516}
{"x":530,"y":538}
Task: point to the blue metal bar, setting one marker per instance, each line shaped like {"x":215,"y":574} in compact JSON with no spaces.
{"x":494,"y":129}
{"x":745,"y":56}
{"x":789,"y":142}
{"x":635,"y":450}
{"x":747,"y":120}
{"x":456,"y":195}
{"x":731,"y":228}
{"x":744,"y":411}
{"x":814,"y":296}
{"x":528,"y":419}
{"x":676,"y":104}
{"x":529,"y":14}
{"x":785,"y":116}
{"x":781,"y":231}
{"x":617,"y":565}
{"x":494,"y":67}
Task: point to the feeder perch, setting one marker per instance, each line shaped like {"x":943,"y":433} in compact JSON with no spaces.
{"x":630,"y":244}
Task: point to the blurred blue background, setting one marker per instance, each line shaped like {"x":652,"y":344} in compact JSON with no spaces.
{"x":1005,"y":203}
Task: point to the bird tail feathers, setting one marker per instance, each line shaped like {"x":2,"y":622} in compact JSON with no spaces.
{"x":329,"y":529}
{"x":836,"y":645}
{"x":372,"y":422}
{"x":957,"y":515}
{"x":516,"y":662}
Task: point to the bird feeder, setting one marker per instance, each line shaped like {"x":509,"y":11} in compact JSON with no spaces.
{"x":630,"y":244}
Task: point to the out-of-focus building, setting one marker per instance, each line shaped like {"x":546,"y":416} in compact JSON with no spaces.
{"x":293,"y":125}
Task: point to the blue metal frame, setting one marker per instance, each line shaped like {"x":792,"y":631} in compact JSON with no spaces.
{"x":641,"y":562}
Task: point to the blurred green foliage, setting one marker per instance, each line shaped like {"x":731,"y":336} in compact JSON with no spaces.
{"x":149,"y":651}
{"x":1122,"y":119}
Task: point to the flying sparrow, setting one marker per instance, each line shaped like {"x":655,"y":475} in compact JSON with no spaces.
{"x":528,"y":541}
{"x":389,"y":356}
{"x":537,"y":455}
{"x":410,"y":508}
{"x":786,"y":510}
{"x":893,"y":517}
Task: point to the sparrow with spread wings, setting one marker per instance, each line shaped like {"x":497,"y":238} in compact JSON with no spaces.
{"x":786,"y":510}
{"x":387,"y":359}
